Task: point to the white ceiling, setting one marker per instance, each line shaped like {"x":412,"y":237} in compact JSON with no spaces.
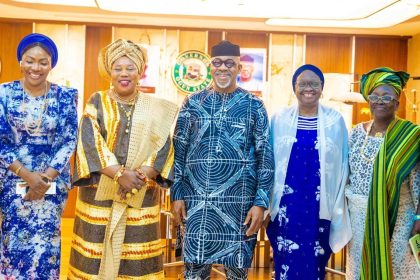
{"x":387,"y":17}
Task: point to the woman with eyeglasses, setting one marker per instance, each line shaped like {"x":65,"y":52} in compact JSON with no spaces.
{"x":384,"y":186}
{"x":309,"y":217}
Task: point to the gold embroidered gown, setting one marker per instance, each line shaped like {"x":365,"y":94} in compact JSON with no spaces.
{"x":103,"y":142}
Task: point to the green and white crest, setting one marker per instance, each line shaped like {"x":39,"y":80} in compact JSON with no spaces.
{"x":191,"y":71}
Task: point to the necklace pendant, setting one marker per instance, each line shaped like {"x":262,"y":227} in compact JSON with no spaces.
{"x":379,"y":134}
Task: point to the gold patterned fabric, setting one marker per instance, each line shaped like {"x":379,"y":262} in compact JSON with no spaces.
{"x":115,"y":239}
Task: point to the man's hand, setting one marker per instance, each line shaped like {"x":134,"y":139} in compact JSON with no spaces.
{"x":179,"y":212}
{"x":256,"y":217}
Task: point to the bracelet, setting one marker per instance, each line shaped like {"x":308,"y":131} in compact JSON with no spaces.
{"x":145,"y":180}
{"x":17,"y":170}
{"x":417,"y":217}
{"x":118,"y":174}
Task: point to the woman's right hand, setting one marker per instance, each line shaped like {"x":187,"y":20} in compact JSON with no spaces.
{"x":130,"y":179}
{"x":37,"y":185}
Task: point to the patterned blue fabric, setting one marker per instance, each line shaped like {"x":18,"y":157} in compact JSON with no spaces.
{"x":30,"y":240}
{"x":300,"y":240}
{"x":223,"y":167}
{"x":203,"y":271}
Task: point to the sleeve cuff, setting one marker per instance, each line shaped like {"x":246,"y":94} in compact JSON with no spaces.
{"x":176,"y":192}
{"x":261,"y":199}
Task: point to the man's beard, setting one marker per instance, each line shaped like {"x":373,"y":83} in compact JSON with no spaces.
{"x":223,"y":85}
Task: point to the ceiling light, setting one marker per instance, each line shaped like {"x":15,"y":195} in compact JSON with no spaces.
{"x":79,"y":3}
{"x":391,"y":15}
{"x":283,"y":9}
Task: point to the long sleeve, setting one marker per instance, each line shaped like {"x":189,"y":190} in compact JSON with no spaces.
{"x":163,"y":162}
{"x":8,"y":152}
{"x":181,"y":144}
{"x":66,"y":135}
{"x":93,"y":153}
{"x":264,"y":156}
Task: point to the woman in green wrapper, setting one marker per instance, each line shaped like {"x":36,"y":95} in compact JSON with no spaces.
{"x":384,"y":188}
{"x":124,"y":153}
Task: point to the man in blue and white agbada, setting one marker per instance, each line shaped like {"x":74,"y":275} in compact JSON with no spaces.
{"x":223,"y":171}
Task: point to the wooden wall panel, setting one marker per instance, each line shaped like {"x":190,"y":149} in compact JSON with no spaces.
{"x":248,"y":39}
{"x":377,"y":52}
{"x":413,"y":86}
{"x":332,"y":54}
{"x":10,"y":36}
{"x":96,"y":38}
{"x":373,"y":52}
{"x":192,"y":40}
{"x":213,"y":38}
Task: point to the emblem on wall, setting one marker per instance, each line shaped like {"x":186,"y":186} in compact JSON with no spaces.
{"x":191,"y":71}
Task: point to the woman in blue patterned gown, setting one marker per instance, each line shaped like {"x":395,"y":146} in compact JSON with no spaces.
{"x":38,"y":132}
{"x":309,"y":217}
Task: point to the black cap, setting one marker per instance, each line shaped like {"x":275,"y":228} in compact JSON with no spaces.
{"x":225,"y":48}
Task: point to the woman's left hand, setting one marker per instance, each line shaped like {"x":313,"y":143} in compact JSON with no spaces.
{"x":416,"y":228}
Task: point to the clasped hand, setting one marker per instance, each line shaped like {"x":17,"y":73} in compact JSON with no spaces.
{"x":38,"y":184}
{"x":131,"y":180}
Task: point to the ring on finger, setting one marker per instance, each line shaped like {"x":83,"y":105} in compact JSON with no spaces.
{"x":134,"y":190}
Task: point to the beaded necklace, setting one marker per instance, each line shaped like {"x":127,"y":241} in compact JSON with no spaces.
{"x":31,"y":125}
{"x":362,"y":148}
{"x":131,"y":104}
{"x":118,"y":98}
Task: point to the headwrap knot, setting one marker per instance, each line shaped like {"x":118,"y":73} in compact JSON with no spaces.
{"x":117,"y":49}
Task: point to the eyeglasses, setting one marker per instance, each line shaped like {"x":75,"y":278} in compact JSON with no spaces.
{"x":229,"y":63}
{"x":311,"y":84}
{"x":384,"y":99}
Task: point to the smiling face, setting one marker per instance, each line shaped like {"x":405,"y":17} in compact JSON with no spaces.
{"x":308,"y":89}
{"x":381,"y":110}
{"x":225,"y":78}
{"x":35,"y":66}
{"x":124,"y":76}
